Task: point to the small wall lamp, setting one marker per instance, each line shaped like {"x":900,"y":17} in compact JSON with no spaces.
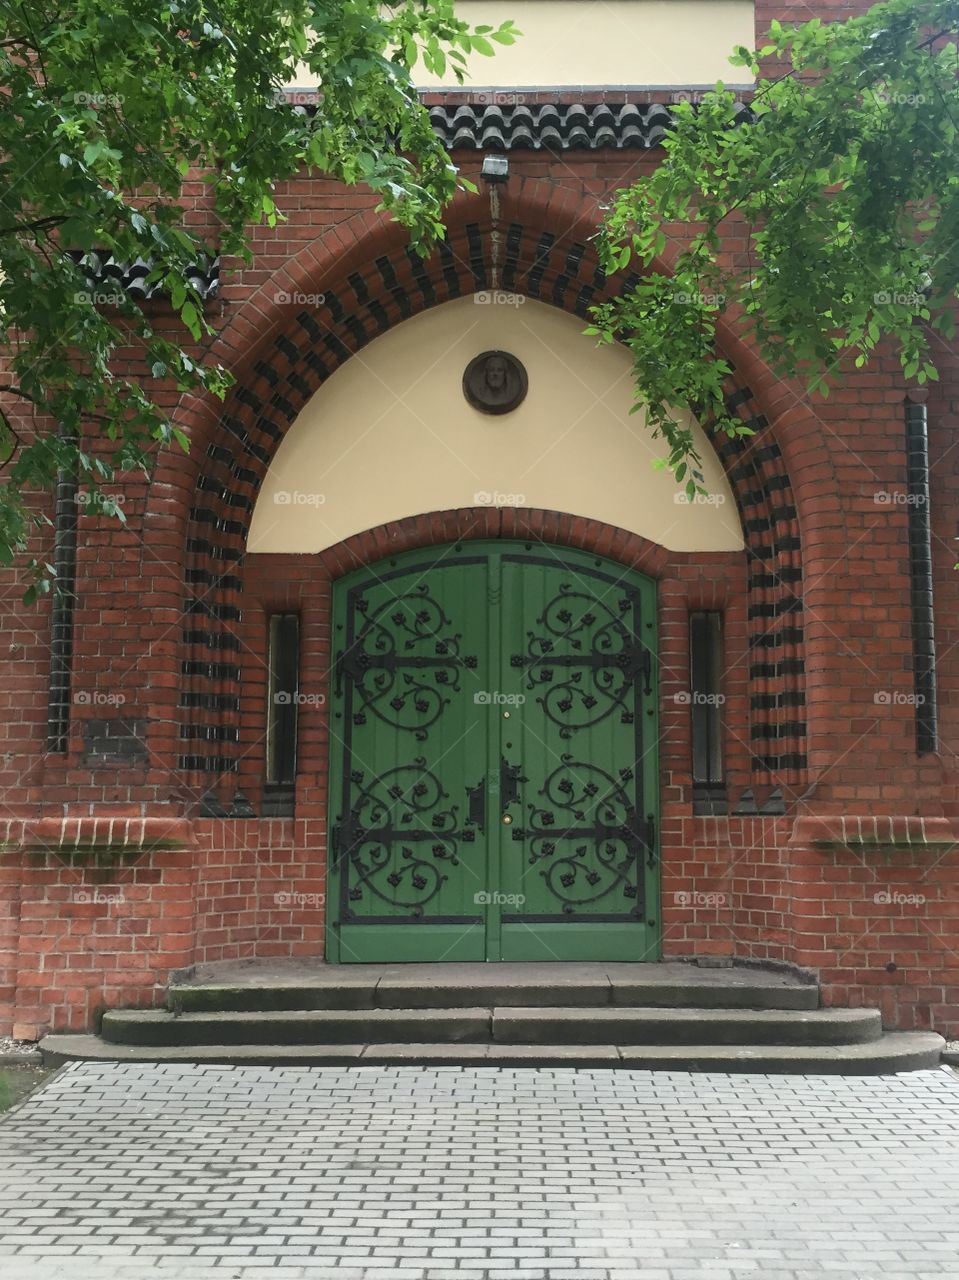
{"x":495,"y":169}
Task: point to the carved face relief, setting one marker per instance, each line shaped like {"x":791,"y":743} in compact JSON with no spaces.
{"x":495,"y":382}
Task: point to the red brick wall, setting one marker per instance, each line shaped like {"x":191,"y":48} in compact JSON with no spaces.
{"x":91,"y":933}
{"x":260,"y":888}
{"x":254,"y":888}
{"x":762,"y":888}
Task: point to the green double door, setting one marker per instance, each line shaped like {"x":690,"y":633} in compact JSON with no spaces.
{"x":493,"y":759}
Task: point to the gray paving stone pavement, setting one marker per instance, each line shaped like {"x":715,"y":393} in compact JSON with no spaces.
{"x":129,"y":1172}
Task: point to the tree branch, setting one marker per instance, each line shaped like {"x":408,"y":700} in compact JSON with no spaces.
{"x":933,"y":38}
{"x":39,"y":224}
{"x":16,"y":391}
{"x":17,"y":442}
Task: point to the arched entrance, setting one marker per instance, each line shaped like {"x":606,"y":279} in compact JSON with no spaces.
{"x":493,"y":758}
{"x":366,"y":299}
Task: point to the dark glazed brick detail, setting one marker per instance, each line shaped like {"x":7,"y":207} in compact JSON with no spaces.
{"x":115,"y":741}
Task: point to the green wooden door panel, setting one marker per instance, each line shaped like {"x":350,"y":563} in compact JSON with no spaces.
{"x":407,"y":743}
{"x":574,"y":857}
{"x":493,"y":783}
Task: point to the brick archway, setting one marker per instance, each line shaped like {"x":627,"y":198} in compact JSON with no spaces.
{"x":376,"y":285}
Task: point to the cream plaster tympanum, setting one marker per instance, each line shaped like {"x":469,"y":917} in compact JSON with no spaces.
{"x":607,"y":42}
{"x":390,"y":435}
{"x":571,"y":43}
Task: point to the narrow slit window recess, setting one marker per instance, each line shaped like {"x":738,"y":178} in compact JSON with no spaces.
{"x":61,"y":613}
{"x":706,"y":703}
{"x":920,"y":565}
{"x":282,"y":703}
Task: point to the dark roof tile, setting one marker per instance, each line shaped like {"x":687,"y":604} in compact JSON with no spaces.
{"x":104,"y":274}
{"x":575,"y":126}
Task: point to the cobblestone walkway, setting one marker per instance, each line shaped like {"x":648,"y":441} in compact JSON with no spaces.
{"x":126,"y":1172}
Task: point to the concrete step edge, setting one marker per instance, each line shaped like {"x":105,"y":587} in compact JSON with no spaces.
{"x":156,"y":1026}
{"x":608,"y":1013}
{"x":394,"y":994}
{"x":557,"y":1026}
{"x":895,"y":1051}
{"x":687,"y":1026}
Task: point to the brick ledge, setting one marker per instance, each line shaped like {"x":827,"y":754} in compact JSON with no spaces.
{"x":120,"y":832}
{"x":853,"y":831}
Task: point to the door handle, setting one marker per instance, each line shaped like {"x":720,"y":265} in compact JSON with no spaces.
{"x":509,"y":780}
{"x":477,"y":804}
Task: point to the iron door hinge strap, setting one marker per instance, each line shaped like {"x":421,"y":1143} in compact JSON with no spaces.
{"x":634,"y":660}
{"x":638,"y":837}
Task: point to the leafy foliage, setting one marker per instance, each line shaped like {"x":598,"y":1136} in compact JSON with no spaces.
{"x":108,"y":105}
{"x":843,"y":191}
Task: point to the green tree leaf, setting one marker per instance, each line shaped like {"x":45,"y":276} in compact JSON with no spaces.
{"x":113,"y":109}
{"x":843,"y":186}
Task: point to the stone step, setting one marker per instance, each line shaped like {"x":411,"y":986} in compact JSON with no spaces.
{"x":320,"y":1026}
{"x":265,"y":987}
{"x":686,"y":1026}
{"x":558,"y":1026}
{"x":894,"y":1051}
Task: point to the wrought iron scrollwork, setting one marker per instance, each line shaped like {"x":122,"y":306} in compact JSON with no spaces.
{"x":404,"y":662}
{"x":587,"y":839}
{"x":586,"y":658}
{"x":400,"y":837}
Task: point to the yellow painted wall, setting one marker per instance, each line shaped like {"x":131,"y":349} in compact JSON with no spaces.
{"x":603,"y":42}
{"x":390,"y":435}
{"x":609,"y":42}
